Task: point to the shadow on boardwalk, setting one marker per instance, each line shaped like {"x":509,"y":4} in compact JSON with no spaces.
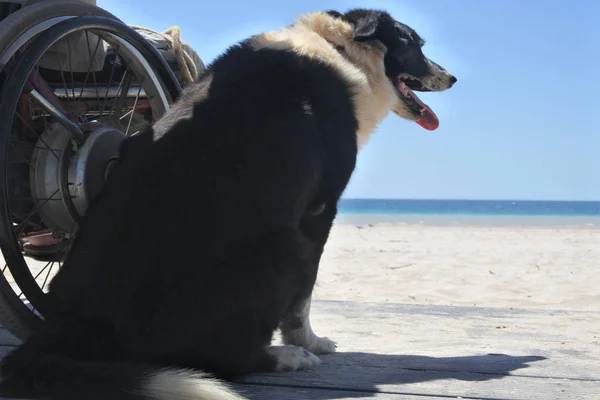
{"x":364,"y":373}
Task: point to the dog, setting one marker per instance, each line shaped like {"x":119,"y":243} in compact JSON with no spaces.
{"x":208,"y":234}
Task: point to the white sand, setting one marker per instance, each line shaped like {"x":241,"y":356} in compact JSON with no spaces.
{"x":545,"y":267}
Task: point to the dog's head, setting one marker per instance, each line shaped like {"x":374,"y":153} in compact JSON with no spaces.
{"x":406,"y":66}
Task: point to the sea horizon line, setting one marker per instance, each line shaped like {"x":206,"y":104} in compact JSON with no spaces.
{"x":469,"y":199}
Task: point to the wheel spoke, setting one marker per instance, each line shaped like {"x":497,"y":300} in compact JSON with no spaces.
{"x":22,"y":120}
{"x":35,"y":198}
{"x":64,"y":81}
{"x":75,"y":113}
{"x":50,"y":264}
{"x":18,"y":143}
{"x":121,"y":99}
{"x":92,"y":57}
{"x":48,"y":274}
{"x":134,"y":107}
{"x":21,"y":226}
{"x":66,"y":244}
{"x":112,"y":72}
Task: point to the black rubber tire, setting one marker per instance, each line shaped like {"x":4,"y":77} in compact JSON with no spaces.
{"x":14,"y":314}
{"x":13,"y":26}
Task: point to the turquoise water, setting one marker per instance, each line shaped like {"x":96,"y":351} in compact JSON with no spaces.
{"x":471,"y":212}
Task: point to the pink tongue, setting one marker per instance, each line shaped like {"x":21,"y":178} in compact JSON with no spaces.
{"x":428,"y":118}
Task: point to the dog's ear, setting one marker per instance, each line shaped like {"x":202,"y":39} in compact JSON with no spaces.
{"x":334,"y":14}
{"x":366,"y":29}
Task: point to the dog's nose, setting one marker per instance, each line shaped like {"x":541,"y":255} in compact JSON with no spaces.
{"x":452,"y":80}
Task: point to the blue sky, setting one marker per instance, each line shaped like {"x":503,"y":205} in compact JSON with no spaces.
{"x":521,"y":123}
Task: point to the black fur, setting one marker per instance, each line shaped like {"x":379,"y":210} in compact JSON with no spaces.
{"x":203,"y":241}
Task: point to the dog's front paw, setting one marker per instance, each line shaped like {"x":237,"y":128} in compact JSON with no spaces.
{"x":322,"y":345}
{"x":307,"y":339}
{"x":293,"y":358}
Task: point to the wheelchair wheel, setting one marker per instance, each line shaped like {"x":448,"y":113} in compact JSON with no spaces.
{"x":60,"y":131}
{"x":23,"y":25}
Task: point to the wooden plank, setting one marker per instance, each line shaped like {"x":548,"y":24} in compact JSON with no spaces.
{"x":392,"y":351}
{"x":466,"y":352}
{"x":397,"y":381}
{"x":455,"y":338}
{"x":256,"y":392}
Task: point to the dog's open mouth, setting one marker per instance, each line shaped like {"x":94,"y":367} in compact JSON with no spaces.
{"x":405,"y":86}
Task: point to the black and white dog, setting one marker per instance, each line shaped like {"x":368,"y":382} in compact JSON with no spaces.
{"x":207,"y":237}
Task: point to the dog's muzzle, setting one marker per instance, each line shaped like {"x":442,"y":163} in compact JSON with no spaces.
{"x":438,"y":78}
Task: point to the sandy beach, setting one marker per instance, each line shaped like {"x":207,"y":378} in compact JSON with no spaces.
{"x":551,"y":267}
{"x":520,"y":267}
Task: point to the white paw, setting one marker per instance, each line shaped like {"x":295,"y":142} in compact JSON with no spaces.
{"x":293,"y":358}
{"x":307,"y":339}
{"x":322,"y":345}
{"x":303,"y":335}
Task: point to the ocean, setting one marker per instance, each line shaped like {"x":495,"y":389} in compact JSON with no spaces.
{"x":583,"y":214}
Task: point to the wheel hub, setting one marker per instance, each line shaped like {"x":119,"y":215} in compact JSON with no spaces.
{"x":64,"y":177}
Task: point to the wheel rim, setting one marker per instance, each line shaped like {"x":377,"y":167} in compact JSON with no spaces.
{"x":162,"y":89}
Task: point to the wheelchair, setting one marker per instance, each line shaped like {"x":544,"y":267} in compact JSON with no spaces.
{"x":74,"y":82}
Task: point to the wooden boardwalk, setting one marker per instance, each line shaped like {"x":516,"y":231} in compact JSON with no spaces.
{"x":390,"y":351}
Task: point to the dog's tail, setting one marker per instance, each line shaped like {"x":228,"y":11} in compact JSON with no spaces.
{"x":33,"y":371}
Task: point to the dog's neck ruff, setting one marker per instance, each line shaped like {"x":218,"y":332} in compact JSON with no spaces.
{"x":329,"y":40}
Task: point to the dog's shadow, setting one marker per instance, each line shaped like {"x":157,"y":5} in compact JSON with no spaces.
{"x":347,"y":375}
